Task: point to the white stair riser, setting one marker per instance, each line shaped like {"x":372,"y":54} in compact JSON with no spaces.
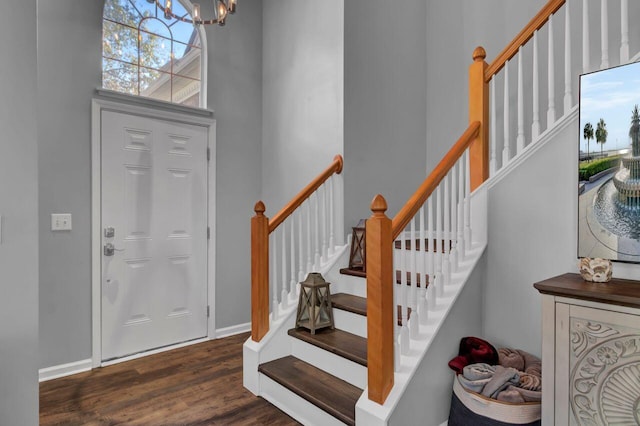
{"x":333,"y":364}
{"x":295,"y":406}
{"x":348,"y":321}
{"x":347,"y":284}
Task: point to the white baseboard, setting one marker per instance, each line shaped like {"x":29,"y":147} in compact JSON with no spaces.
{"x":234,"y":329}
{"x":63,"y":370}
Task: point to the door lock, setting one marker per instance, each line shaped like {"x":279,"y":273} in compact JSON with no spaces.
{"x":109,"y":232}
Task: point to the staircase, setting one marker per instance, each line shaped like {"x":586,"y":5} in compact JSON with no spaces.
{"x":322,"y":379}
{"x":327,"y":370}
{"x":381,"y":364}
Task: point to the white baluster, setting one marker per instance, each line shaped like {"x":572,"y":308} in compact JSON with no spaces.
{"x":422,"y":296}
{"x":316,"y":218}
{"x":446,"y":241}
{"x":404,"y":332}
{"x":520,"y":136}
{"x":568,"y":96}
{"x":274,"y":266}
{"x":604,"y":33}
{"x":300,"y":248}
{"x":467,"y":203}
{"x":624,"y":29}
{"x":461,"y":186}
{"x":414,"y":324}
{"x":586,"y":46}
{"x":325,"y":245}
{"x":535,"y":125}
{"x":309,"y":237}
{"x":454,"y":217}
{"x":396,"y":333}
{"x":285,"y":296}
{"x":493,"y":163}
{"x":332,"y":242}
{"x":551,"y":110}
{"x":292,"y":283}
{"x":439,"y":281}
{"x":506,"y":149}
{"x":431,"y":289}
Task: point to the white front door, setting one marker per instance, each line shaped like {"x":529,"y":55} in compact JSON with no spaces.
{"x":154,"y":238}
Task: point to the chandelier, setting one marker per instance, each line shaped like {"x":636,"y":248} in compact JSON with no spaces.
{"x":221,"y":9}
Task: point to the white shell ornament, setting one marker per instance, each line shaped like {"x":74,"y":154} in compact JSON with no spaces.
{"x":596,"y":270}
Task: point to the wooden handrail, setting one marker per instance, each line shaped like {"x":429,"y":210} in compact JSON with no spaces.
{"x":527,"y":32}
{"x":334,"y":167}
{"x":409,"y":210}
{"x":261,"y":227}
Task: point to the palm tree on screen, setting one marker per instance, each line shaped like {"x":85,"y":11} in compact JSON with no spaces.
{"x":634,"y":131}
{"x":588,"y":135}
{"x":601,"y":134}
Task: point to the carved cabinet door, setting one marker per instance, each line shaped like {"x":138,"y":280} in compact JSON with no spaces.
{"x":597,"y":366}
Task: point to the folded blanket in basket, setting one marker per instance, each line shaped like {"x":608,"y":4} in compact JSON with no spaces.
{"x":488,"y":380}
{"x":473,"y":350}
{"x":520,"y":360}
{"x":519,"y":395}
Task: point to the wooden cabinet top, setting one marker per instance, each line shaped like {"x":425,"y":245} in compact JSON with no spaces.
{"x":617,"y":291}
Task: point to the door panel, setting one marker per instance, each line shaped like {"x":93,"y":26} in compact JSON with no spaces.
{"x":154,"y":194}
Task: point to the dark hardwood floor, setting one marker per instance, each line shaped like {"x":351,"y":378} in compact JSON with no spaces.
{"x":197,"y":385}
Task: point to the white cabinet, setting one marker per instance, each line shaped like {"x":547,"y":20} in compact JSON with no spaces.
{"x":590,"y":352}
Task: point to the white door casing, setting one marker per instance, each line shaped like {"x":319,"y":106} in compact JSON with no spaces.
{"x":154,"y":291}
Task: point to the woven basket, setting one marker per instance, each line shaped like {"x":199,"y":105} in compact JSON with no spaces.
{"x":471,"y":408}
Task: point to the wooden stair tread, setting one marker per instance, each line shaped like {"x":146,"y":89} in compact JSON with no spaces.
{"x":349,"y":303}
{"x":327,"y":392}
{"x":339,"y":342}
{"x":422,"y":243}
{"x":353,"y":272}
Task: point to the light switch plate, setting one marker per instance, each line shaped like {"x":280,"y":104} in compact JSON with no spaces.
{"x":61,"y":221}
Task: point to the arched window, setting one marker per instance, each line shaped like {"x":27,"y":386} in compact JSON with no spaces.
{"x":145,"y":54}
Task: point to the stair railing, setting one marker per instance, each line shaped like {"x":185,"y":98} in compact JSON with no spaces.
{"x":530,"y":121}
{"x":438,"y":214}
{"x":295,"y":241}
{"x":437,"y":220}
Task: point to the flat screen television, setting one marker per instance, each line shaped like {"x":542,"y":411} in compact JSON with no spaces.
{"x":609,"y":164}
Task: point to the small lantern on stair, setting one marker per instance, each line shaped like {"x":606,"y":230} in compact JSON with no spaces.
{"x":314,"y":304}
{"x":357,"y":258}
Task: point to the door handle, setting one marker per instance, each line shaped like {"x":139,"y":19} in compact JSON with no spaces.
{"x":109,"y":249}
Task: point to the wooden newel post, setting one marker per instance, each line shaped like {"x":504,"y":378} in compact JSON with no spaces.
{"x":380,"y":322}
{"x":479,"y":111}
{"x":259,"y":273}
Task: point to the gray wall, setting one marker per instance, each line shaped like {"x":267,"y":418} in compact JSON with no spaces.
{"x":385,"y":103}
{"x":302,"y":85}
{"x":530,"y":240}
{"x":427,"y":397}
{"x":18,"y":208}
{"x":454,"y":29}
{"x":69,"y":70}
{"x":235,"y":94}
{"x":406,"y":87}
